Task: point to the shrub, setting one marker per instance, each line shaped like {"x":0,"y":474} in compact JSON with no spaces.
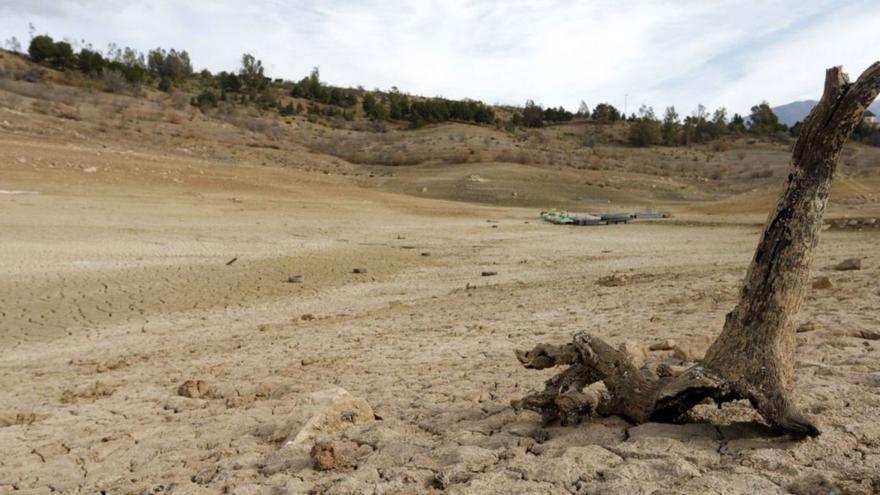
{"x":114,"y":81}
{"x":205,"y":100}
{"x":287,"y":110}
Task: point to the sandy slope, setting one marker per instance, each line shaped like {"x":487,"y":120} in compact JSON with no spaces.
{"x":114,"y":290}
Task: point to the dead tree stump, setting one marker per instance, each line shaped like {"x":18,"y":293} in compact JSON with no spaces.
{"x":753,"y":357}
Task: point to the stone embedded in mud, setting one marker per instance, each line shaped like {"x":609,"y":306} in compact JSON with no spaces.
{"x":666,"y":345}
{"x":849,"y":264}
{"x":325,"y":412}
{"x":613,"y":280}
{"x":809,"y":326}
{"x":194,"y":389}
{"x":822,"y":283}
{"x":337,"y":455}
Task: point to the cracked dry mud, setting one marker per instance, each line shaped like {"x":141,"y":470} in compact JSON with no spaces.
{"x":113,"y":295}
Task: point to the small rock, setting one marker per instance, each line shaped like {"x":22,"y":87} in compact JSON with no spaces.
{"x":90,"y":170}
{"x":359,"y":270}
{"x":307,"y":361}
{"x":869,"y":334}
{"x":821,"y":283}
{"x":193,"y":389}
{"x":613,"y":280}
{"x":809,"y":326}
{"x":424,"y":190}
{"x":849,"y":264}
{"x":426,"y":254}
{"x":295,"y":279}
{"x":489,"y":274}
{"x":666,"y":345}
{"x":307,"y":317}
{"x":325,"y":412}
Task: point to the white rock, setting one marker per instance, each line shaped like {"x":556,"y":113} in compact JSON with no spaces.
{"x":325,"y":412}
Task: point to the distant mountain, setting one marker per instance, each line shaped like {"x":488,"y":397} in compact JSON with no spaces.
{"x":793,"y":112}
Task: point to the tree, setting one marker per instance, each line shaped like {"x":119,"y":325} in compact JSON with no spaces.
{"x":12,"y":44}
{"x":669,"y":130}
{"x":398,"y":105}
{"x":171,"y":66}
{"x":719,"y":122}
{"x":253,"y":80}
{"x":645,"y":129}
{"x":583,"y":110}
{"x":737,"y":124}
{"x":605,"y":113}
{"x":533,"y":115}
{"x":753,"y":357}
{"x":374,"y":108}
{"x":763,"y":122}
{"x":229,"y":82}
{"x":90,"y":62}
{"x":43,"y":49}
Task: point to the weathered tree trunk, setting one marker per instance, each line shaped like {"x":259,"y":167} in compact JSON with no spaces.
{"x":753,"y":358}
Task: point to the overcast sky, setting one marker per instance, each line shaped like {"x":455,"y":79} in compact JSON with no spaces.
{"x":731,"y":53}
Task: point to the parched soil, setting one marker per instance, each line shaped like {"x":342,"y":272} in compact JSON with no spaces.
{"x":116,"y":288}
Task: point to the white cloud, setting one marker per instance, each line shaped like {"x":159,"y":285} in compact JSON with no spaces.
{"x":725,"y":52}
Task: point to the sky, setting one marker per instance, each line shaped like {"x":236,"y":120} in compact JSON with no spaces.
{"x":625,"y":52}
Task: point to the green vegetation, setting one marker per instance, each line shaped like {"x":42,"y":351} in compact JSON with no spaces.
{"x":126,"y":69}
{"x":645,"y":130}
{"x":763,"y":122}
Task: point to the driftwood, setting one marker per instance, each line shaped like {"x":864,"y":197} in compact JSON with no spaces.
{"x":753,"y":358}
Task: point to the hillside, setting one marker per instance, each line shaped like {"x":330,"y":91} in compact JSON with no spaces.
{"x":578,"y":165}
{"x":794,"y":112}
